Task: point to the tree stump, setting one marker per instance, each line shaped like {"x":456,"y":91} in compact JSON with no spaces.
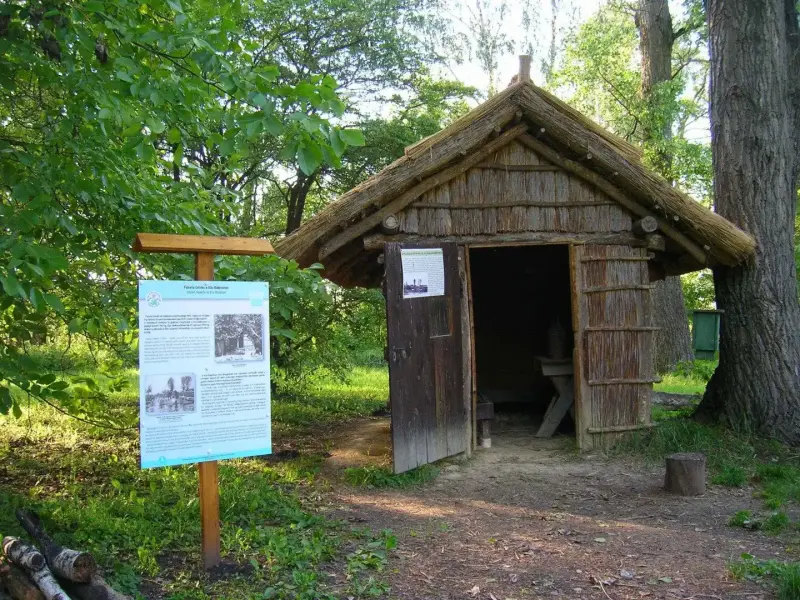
{"x":686,"y":474}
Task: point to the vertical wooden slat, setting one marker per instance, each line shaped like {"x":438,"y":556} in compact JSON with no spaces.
{"x":579,"y":324}
{"x":466,"y":348}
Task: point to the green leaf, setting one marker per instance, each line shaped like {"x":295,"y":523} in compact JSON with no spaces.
{"x":123,"y":75}
{"x":227,"y":147}
{"x":155,"y":125}
{"x":105,"y":113}
{"x":174,"y":135}
{"x":352,"y":137}
{"x":54,"y":302}
{"x":175,"y":5}
{"x":309,"y":157}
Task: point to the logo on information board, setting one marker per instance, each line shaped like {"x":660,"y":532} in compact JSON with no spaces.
{"x":153,"y":299}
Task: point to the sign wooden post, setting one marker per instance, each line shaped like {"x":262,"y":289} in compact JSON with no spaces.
{"x":204,"y":248}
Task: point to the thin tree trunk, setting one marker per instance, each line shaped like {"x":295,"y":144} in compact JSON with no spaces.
{"x":754,"y":112}
{"x":298,"y":193}
{"x":673,"y":342}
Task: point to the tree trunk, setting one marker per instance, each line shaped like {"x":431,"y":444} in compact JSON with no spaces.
{"x":673,"y":342}
{"x":755,"y":66}
{"x":19,"y":586}
{"x":298,"y":192}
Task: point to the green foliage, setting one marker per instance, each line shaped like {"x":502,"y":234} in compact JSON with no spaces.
{"x":744,"y":519}
{"x":144,"y":523}
{"x":785,"y":576}
{"x":120,"y":117}
{"x":381,"y":477}
{"x":698,"y":290}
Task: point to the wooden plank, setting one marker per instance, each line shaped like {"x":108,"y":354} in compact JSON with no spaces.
{"x":466,"y":349}
{"x":367,"y":223}
{"x":187,"y":244}
{"x":506,"y":167}
{"x":473,"y":358}
{"x":558,"y":409}
{"x":622,"y":381}
{"x":514,"y":204}
{"x":617,"y":288}
{"x":376,"y":241}
{"x":620,"y":428}
{"x":580,"y":321}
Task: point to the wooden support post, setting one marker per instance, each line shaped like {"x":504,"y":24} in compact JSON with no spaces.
{"x":204,"y":248}
{"x":686,"y":474}
{"x":208,"y":472}
{"x":524,"y":67}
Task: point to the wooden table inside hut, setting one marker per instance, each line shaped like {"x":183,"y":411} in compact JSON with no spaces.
{"x":560,"y":373}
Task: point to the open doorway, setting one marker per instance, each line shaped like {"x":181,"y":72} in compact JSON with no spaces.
{"x":521,"y":308}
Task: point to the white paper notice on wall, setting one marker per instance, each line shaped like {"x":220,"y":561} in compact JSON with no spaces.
{"x":423,"y":272}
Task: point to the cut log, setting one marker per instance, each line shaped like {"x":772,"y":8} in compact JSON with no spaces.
{"x":96,"y":589}
{"x":64,"y":563}
{"x":32,"y":561}
{"x":19,"y":586}
{"x":22,"y":554}
{"x":645,"y":225}
{"x":686,"y":474}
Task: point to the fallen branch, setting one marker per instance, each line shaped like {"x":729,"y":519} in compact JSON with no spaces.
{"x":30,"y":559}
{"x":65,"y":563}
{"x":17,"y":583}
{"x":96,"y":589}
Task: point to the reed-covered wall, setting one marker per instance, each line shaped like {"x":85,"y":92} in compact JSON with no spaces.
{"x":514,"y":191}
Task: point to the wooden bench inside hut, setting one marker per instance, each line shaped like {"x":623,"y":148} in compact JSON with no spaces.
{"x":517,"y":249}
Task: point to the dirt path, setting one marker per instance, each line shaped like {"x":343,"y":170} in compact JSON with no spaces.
{"x":530,"y":519}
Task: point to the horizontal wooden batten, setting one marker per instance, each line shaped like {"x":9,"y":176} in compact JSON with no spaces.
{"x":512,"y":205}
{"x":617,"y":288}
{"x":376,"y":241}
{"x":370,"y":221}
{"x":624,"y":328}
{"x":528,"y":168}
{"x":615,"y":258}
{"x":623,"y":381}
{"x":620,"y":428}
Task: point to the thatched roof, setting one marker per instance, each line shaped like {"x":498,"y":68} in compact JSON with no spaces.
{"x":697,"y":236}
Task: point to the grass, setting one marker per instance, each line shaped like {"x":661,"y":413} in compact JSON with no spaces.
{"x":687,"y":378}
{"x":86,"y":484}
{"x":382,"y":477}
{"x":324,"y":400}
{"x":784,"y":576}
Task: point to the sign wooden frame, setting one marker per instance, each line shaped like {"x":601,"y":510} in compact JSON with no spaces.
{"x":205,"y":248}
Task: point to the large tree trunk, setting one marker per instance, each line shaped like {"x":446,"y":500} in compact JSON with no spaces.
{"x":755,"y":66}
{"x":673,"y":343}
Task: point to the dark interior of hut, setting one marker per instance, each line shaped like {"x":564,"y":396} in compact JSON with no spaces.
{"x":521,"y":311}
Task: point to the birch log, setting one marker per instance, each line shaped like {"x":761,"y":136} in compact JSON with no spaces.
{"x":64,"y":563}
{"x":30,"y":559}
{"x":22,"y":554}
{"x":96,"y":589}
{"x":17,"y":583}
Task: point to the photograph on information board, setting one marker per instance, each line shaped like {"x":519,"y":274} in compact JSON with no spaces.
{"x":169,"y":393}
{"x":238,"y":337}
{"x":203,"y":371}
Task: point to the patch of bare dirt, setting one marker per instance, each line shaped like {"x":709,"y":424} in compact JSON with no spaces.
{"x":530,"y":518}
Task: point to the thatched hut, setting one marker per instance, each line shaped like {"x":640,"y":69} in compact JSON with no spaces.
{"x":543,"y":234}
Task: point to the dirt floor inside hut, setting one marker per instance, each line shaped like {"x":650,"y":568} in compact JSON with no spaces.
{"x":531,"y":518}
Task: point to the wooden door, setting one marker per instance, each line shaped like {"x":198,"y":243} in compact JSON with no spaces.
{"x":613,"y":342}
{"x":425,"y":366}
